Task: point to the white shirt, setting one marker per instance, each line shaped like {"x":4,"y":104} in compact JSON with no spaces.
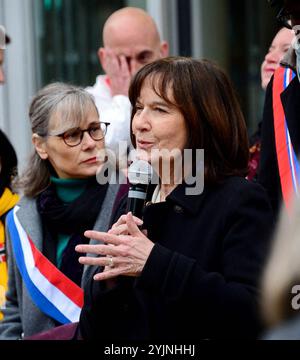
{"x":156,"y":197}
{"x":113,"y":109}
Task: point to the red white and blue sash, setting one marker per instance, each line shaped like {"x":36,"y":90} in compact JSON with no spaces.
{"x":288,"y":165}
{"x":52,"y":292}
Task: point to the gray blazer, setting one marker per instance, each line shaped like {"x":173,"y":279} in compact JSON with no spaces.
{"x":21,"y":316}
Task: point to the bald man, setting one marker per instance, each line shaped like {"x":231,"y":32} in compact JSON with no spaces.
{"x":131,"y":40}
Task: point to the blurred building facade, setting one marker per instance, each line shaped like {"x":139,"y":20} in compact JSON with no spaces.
{"x":57,"y":40}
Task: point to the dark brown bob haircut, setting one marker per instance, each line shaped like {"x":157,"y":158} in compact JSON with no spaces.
{"x":205,"y":97}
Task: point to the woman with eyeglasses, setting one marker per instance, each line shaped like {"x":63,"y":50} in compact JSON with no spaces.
{"x":62,"y":199}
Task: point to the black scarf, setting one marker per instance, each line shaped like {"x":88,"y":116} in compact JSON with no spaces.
{"x":71,"y":219}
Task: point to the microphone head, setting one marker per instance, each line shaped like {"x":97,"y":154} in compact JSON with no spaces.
{"x":140,"y":172}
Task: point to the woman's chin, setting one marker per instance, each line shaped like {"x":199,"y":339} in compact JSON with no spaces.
{"x":142,"y":154}
{"x":91,"y":171}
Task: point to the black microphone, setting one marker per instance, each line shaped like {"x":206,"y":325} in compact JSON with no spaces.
{"x":140,"y":173}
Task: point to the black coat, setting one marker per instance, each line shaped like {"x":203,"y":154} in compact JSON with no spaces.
{"x":201,"y":278}
{"x":269,"y":173}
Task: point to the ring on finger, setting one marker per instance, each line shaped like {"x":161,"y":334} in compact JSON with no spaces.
{"x":111,"y":262}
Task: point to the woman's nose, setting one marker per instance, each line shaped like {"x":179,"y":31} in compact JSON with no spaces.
{"x":273,"y":56}
{"x":141,"y":121}
{"x":88,"y":141}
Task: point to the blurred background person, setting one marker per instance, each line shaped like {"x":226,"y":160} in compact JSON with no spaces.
{"x":131,"y":40}
{"x":61,"y":200}
{"x":8,"y":170}
{"x":279,"y":169}
{"x":193,"y":274}
{"x":279,"y":46}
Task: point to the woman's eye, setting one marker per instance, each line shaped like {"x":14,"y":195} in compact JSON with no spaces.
{"x":160,"y":110}
{"x":72,"y":134}
{"x":95,"y":128}
{"x":138,"y":108}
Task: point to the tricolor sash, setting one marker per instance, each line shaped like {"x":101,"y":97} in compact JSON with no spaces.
{"x":288,"y":165}
{"x":52,"y":292}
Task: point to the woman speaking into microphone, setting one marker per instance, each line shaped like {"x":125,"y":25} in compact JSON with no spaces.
{"x":192,"y":270}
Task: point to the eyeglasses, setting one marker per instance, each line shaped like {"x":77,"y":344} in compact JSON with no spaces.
{"x":285,"y":18}
{"x":73,"y":137}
